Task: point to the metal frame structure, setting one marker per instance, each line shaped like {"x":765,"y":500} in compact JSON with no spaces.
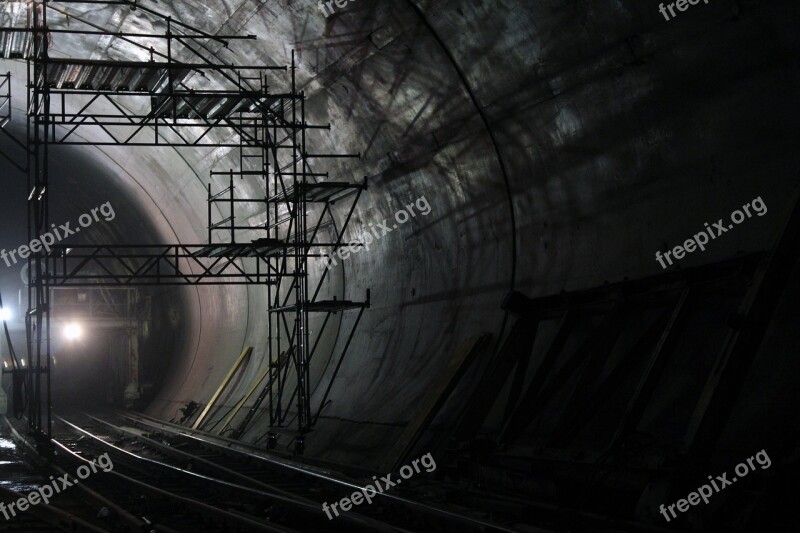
{"x":78,"y":101}
{"x":5,"y":99}
{"x":110,"y":306}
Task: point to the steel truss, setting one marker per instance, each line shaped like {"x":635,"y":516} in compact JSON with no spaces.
{"x":168,"y":264}
{"x":161,"y":102}
{"x":5,"y":99}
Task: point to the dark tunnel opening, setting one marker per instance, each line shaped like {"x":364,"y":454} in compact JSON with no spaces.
{"x":92,"y":334}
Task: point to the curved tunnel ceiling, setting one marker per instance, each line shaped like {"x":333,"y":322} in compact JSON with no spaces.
{"x":557,"y":146}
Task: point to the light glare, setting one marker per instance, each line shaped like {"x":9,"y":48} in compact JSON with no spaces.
{"x":5,"y":314}
{"x":73,"y":331}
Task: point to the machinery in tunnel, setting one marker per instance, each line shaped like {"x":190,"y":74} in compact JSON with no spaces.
{"x":290,"y":247}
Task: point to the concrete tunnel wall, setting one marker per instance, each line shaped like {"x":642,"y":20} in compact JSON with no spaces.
{"x":616,"y":133}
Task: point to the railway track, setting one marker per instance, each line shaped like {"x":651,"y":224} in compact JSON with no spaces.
{"x":191,"y":480}
{"x":79,"y":510}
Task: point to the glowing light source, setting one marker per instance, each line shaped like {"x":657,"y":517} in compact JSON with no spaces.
{"x":73,"y":331}
{"x":5,"y":313}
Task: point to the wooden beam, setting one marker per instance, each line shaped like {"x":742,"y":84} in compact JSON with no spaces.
{"x":440,"y":392}
{"x":518,"y":344}
{"x":241,"y":402}
{"x":213,"y":401}
{"x":746,"y":331}
{"x":515,"y":422}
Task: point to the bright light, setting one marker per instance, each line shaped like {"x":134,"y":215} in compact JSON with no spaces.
{"x":73,"y":331}
{"x":5,"y":313}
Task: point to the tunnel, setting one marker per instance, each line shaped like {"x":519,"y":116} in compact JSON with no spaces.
{"x":572,"y":276}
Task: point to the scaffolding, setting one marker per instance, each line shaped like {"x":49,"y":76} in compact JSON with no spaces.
{"x":176,"y":93}
{"x":5,"y":99}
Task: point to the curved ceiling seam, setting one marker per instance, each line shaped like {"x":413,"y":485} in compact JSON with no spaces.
{"x":481,"y":114}
{"x":489,"y":131}
{"x":495,"y":145}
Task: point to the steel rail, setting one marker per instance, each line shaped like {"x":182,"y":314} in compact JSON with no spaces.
{"x":334,"y":478}
{"x":354,"y":517}
{"x":272,"y":492}
{"x":260,"y":526}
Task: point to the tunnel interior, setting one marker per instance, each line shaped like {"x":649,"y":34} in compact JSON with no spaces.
{"x":523,"y":164}
{"x":86,"y":366}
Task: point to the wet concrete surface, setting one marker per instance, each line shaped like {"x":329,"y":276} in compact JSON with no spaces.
{"x":16,"y":473}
